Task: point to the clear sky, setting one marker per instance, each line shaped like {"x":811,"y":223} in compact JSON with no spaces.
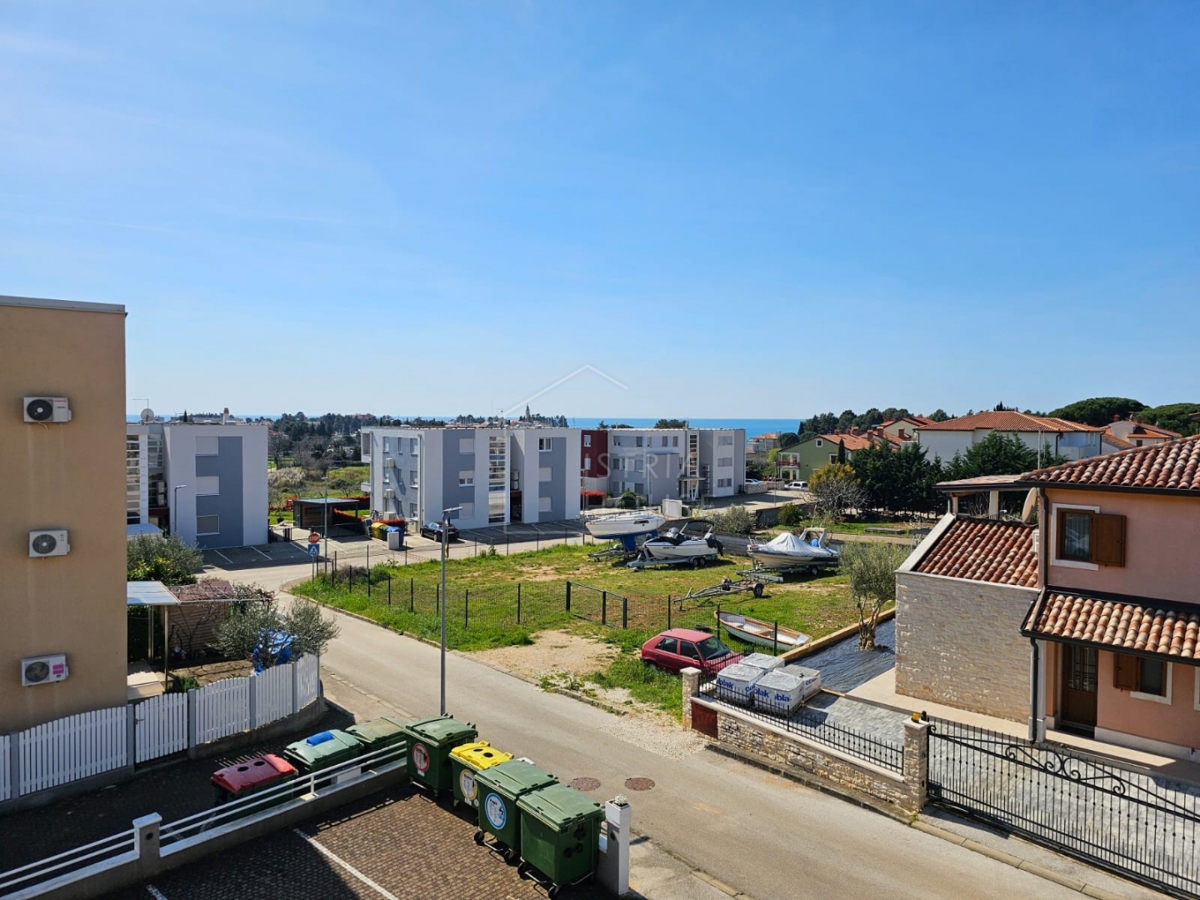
{"x":731,"y":209}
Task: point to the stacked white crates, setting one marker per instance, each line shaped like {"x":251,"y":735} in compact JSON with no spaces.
{"x":783,"y":690}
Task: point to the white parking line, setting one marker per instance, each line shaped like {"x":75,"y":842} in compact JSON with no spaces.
{"x":155,"y":892}
{"x":345,"y":865}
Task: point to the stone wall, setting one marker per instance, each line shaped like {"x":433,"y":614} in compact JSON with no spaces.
{"x":905,"y":792}
{"x":959,"y":643}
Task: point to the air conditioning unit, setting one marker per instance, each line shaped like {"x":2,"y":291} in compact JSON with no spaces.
{"x":49,"y":543}
{"x":44,"y":669}
{"x":47,"y":409}
{"x":389,"y":463}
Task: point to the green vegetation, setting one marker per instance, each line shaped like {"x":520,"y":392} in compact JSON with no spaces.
{"x":294,"y":481}
{"x":901,"y":481}
{"x":671,"y":423}
{"x":167,"y":559}
{"x":247,"y":630}
{"x":1172,"y":416}
{"x":999,"y":454}
{"x":871,"y":572}
{"x":1098,"y":411}
{"x":733,"y":520}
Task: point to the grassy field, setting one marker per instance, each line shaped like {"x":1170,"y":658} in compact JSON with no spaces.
{"x":856,"y":527}
{"x":483,"y":611}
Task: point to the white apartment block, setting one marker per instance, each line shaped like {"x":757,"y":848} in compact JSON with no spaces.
{"x":496,"y":475}
{"x":677,"y":463}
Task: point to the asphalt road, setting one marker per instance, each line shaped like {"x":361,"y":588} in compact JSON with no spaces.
{"x":762,"y":835}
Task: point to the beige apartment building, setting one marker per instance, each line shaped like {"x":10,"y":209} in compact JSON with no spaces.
{"x":62,"y":535}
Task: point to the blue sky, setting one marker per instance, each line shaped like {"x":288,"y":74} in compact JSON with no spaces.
{"x":731,"y":209}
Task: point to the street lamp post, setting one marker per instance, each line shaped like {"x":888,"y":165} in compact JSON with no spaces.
{"x":175,"y":509}
{"x":445,"y":551}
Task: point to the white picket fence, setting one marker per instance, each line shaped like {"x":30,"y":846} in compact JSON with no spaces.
{"x":74,"y":747}
{"x":160,"y":726}
{"x":94,"y":742}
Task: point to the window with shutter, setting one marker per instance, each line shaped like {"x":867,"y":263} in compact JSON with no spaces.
{"x":1108,"y":546}
{"x":1125,"y":672}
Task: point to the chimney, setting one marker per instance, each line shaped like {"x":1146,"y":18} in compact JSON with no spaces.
{"x":854,"y":429}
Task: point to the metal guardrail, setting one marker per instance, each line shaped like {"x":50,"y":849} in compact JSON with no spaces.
{"x":122,"y":848}
{"x":117,"y":848}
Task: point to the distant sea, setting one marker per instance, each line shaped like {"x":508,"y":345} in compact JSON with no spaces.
{"x":752,"y":426}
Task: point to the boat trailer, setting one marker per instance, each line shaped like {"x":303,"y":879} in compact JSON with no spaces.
{"x":750,"y":581}
{"x":645,"y":561}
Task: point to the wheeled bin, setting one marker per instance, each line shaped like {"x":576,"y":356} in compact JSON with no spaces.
{"x":560,"y":835}
{"x":375,"y":734}
{"x":467,"y":761}
{"x":322,"y":751}
{"x":499,"y":789}
{"x":252,"y":777}
{"x":429,"y":744}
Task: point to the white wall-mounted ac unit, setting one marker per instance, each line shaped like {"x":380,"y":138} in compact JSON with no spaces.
{"x":44,"y":669}
{"x":49,"y":543}
{"x":47,"y":409}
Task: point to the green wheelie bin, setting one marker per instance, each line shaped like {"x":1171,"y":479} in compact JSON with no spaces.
{"x":322,"y":751}
{"x":429,"y":744}
{"x":499,"y":788}
{"x":375,"y":734}
{"x":560,"y":834}
{"x":467,"y":761}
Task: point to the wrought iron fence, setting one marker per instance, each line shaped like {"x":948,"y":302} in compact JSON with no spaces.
{"x":1135,"y":824}
{"x":811,"y":724}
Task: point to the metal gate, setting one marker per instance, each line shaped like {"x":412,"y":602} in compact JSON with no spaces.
{"x":1137,"y":825}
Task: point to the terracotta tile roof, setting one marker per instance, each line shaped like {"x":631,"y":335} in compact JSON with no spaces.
{"x":204,"y":590}
{"x":1008,"y":420}
{"x":984,"y":550}
{"x":1139,"y":625}
{"x":1170,"y":466}
{"x":1120,"y":443}
{"x":851,"y":442}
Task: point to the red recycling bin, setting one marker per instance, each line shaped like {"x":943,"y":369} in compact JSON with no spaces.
{"x":250,"y":777}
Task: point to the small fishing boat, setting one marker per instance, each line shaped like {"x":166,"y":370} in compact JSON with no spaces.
{"x":810,"y":548}
{"x":756,"y":631}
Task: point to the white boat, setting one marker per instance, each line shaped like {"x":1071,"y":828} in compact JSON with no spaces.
{"x":756,"y":631}
{"x":788,"y":550}
{"x":678,"y":546}
{"x":633,"y":523}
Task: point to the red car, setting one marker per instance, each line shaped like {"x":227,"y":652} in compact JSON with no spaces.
{"x":679,"y":648}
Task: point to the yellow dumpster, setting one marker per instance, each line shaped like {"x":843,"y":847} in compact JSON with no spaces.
{"x":468,"y":759}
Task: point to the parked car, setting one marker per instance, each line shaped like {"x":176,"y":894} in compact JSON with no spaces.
{"x":679,"y":648}
{"x":753,"y":481}
{"x":796,"y":486}
{"x":433,"y":531}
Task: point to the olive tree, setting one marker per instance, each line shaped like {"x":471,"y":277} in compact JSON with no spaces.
{"x":871,"y":571}
{"x":169,"y":559}
{"x":251,"y":624}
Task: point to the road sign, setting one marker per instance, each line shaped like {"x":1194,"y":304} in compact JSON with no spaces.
{"x":314,"y":538}
{"x":314,"y":551}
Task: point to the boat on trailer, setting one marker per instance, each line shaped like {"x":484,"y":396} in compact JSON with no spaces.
{"x":625,"y":527}
{"x":756,"y":631}
{"x":808,"y":550}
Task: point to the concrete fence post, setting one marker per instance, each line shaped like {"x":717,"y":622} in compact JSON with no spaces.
{"x":916,"y":761}
{"x":691,"y":686}
{"x":146,"y":834}
{"x":613,"y":871}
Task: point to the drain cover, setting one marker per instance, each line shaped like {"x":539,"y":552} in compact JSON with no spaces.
{"x":584,"y":783}
{"x":639,"y":784}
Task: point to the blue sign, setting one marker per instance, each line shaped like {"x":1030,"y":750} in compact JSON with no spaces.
{"x":495,"y":810}
{"x":314,"y":550}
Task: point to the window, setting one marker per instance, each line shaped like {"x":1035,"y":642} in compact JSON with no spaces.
{"x":675,"y":441}
{"x":208,"y":525}
{"x":639,"y":464}
{"x":412,"y":478}
{"x":412,"y":446}
{"x":1144,"y":678}
{"x":587,"y":464}
{"x":724,"y":462}
{"x":545,"y":473}
{"x":669,"y":645}
{"x":833,"y":457}
{"x":664,"y":440}
{"x":207,"y":446}
{"x":637,"y":442}
{"x":412,"y":510}
{"x":208,"y":484}
{"x":544,"y":504}
{"x":1090,"y":537}
{"x":587,"y":440}
{"x":688,"y":649}
{"x":466,"y":478}
{"x":545,"y":444}
{"x":466,"y":445}
{"x":386,"y":445}
{"x":820,"y":443}
{"x":725,"y":440}
{"x":615,"y":464}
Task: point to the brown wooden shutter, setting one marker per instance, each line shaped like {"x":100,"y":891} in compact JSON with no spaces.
{"x":1125,"y":672}
{"x":1108,"y":540}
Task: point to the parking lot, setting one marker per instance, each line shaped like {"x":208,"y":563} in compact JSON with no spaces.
{"x":394,"y":844}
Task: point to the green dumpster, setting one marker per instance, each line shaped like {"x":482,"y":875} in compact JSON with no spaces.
{"x":560,"y":834}
{"x":467,"y":761}
{"x":322,"y":751}
{"x":376,"y":734}
{"x":499,"y":788}
{"x":429,"y":744}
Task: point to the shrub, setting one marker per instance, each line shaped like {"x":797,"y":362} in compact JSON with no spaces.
{"x":181,"y":684}
{"x":168,"y":559}
{"x":734,"y":520}
{"x":791,"y":514}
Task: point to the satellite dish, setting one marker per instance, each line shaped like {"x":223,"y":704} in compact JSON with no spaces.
{"x":147,"y":415}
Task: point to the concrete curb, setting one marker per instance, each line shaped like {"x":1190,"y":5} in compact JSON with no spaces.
{"x":1016,"y":862}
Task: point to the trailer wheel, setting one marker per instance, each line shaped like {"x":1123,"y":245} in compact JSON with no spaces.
{"x":758,"y":590}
